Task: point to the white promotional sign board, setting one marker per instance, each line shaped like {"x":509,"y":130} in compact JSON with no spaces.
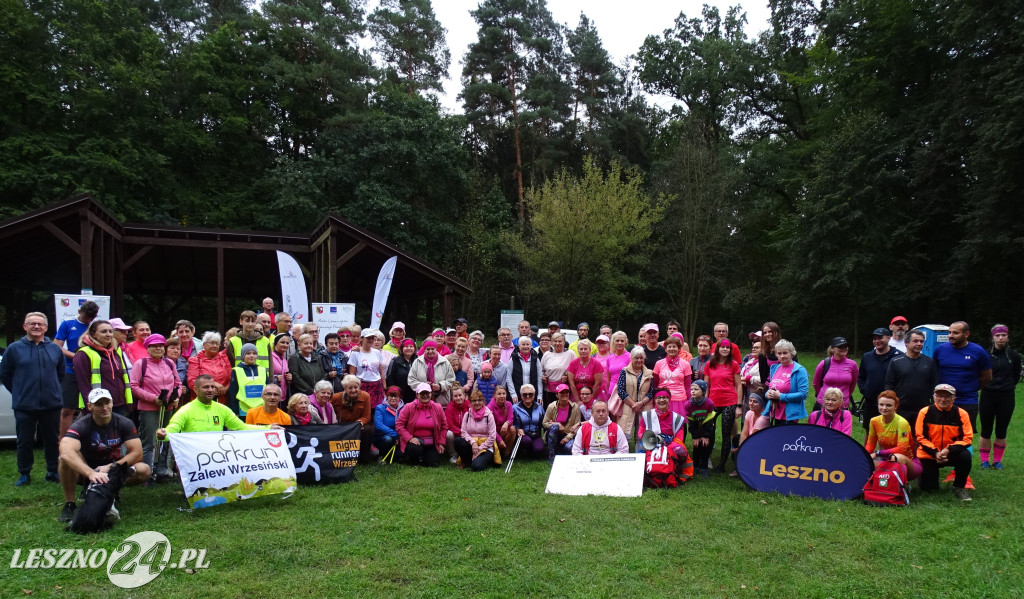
{"x":221,"y":467}
{"x":511,"y":319}
{"x":66,"y":306}
{"x":332,"y":317}
{"x":617,"y":475}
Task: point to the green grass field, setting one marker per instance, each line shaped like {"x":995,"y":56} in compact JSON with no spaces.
{"x":448,"y":532}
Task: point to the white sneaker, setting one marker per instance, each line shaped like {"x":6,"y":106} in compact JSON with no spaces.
{"x":453,"y":459}
{"x":113,"y":516}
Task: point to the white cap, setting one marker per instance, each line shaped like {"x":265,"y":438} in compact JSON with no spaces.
{"x":98,"y":394}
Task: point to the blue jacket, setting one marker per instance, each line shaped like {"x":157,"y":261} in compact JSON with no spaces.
{"x":797,"y":397}
{"x":531,"y":421}
{"x":32,"y":373}
{"x":384,"y":421}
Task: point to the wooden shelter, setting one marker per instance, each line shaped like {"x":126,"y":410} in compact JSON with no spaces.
{"x":77,"y":244}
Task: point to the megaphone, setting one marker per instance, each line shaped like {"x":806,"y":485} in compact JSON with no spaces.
{"x":650,"y":440}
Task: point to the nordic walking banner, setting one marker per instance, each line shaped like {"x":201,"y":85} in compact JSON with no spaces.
{"x":224,"y":466}
{"x":324,"y":454}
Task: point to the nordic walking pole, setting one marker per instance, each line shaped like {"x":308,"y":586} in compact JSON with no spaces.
{"x":512,"y":458}
{"x":162,"y":400}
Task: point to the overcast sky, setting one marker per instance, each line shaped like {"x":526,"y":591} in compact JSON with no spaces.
{"x":622,"y":25}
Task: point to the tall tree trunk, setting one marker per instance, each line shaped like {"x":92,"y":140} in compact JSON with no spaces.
{"x":519,"y":149}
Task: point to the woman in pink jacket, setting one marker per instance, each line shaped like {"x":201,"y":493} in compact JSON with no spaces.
{"x":149,"y":377}
{"x":832,"y":414}
{"x":476,"y":445}
{"x":422,"y":429}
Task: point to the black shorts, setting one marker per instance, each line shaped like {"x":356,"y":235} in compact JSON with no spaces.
{"x":69,"y":391}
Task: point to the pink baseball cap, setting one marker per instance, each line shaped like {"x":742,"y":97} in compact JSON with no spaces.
{"x":651,"y":327}
{"x":561,"y":387}
{"x":119,"y":324}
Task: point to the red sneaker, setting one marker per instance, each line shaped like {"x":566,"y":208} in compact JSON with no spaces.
{"x":950,"y":478}
{"x":969,"y":485}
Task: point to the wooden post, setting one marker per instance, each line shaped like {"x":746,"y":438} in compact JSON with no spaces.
{"x":86,"y":229}
{"x":220,"y":290}
{"x":446,"y":305}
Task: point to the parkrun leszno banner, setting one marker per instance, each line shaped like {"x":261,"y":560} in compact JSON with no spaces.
{"x":324,"y":453}
{"x":803,"y":459}
{"x":220,"y":467}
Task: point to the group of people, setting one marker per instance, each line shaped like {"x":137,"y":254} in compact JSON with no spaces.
{"x":97,"y":396}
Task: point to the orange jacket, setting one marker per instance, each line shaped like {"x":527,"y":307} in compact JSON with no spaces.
{"x":938,"y":429}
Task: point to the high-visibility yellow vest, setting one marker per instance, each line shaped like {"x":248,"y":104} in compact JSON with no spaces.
{"x":94,"y":373}
{"x":250,"y":389}
{"x":263,"y":349}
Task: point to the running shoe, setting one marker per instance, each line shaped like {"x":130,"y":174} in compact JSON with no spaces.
{"x":961,"y":494}
{"x":52,"y":477}
{"x":998,"y":465}
{"x":23,"y":480}
{"x":985,"y":465}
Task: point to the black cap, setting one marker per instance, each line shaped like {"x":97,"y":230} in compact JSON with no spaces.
{"x":462,"y":320}
{"x":839,"y":341}
{"x":882,"y":331}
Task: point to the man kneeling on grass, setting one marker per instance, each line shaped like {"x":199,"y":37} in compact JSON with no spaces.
{"x":91,"y":446}
{"x":599,"y":435}
{"x":944,"y":439}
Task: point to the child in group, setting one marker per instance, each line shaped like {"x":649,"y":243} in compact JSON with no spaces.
{"x":460,"y":374}
{"x":832,"y":415}
{"x":486,"y":383}
{"x":245,"y":391}
{"x":700,"y":422}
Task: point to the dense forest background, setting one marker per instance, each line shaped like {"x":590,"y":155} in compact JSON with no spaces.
{"x":859,"y":159}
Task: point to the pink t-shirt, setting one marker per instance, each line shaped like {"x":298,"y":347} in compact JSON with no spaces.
{"x":677,"y":381}
{"x":722,"y":383}
{"x":753,"y":423}
{"x":584,"y":375}
{"x":780,"y":382}
{"x":613,"y":365}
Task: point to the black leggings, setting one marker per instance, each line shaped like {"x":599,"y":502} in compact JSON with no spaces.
{"x":422,"y":455}
{"x":996,"y":407}
{"x":726,"y":421}
{"x":465,"y":451}
{"x":702,"y":454}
